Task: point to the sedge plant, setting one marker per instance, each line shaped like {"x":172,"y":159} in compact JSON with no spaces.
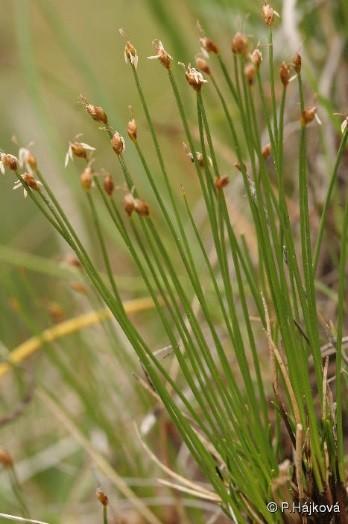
{"x":255,"y":381}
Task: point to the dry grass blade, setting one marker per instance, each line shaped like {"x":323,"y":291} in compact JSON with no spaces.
{"x":73,"y":325}
{"x":98,"y":459}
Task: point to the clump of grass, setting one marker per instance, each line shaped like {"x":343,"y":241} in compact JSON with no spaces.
{"x":251,"y":387}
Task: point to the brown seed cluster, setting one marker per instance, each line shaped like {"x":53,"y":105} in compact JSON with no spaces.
{"x":269,"y":14}
{"x":130,"y":54}
{"x":256,"y":57}
{"x":250,"y":73}
{"x":161,"y":54}
{"x":297,"y":63}
{"x":132,"y":130}
{"x":221,"y":182}
{"x":78,"y":150}
{"x":86,"y":178}
{"x":31,"y":181}
{"x":202,"y":65}
{"x":118,"y":144}
{"x":9,"y":161}
{"x":239,"y":44}
{"x":308,"y":115}
{"x":103,"y":499}
{"x":284,"y":73}
{"x":97,"y":113}
{"x":108,"y":185}
{"x":208,"y":45}
{"x":5,"y":459}
{"x":194,"y":78}
{"x":266,"y":151}
{"x":131,"y":204}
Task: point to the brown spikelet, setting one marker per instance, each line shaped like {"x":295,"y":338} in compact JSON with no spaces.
{"x":308,"y":115}
{"x":239,"y":44}
{"x":250,"y":73}
{"x":97,"y":113}
{"x":202,"y":65}
{"x":117,"y":143}
{"x":86,"y":178}
{"x":256,"y":57}
{"x":208,"y":45}
{"x":266,"y":151}
{"x":129,"y":203}
{"x":269,"y":14}
{"x":79,"y":287}
{"x":161,"y":54}
{"x":221,"y":182}
{"x":78,"y":150}
{"x":103,"y":499}
{"x":141,"y":207}
{"x":297,"y":63}
{"x":194,"y":78}
{"x":5,"y":459}
{"x":31,"y":181}
{"x":132,"y":129}
{"x":9,"y":161}
{"x":108,"y":185}
{"x":284,"y":73}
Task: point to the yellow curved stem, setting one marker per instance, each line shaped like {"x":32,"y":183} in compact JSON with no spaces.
{"x":30,"y":346}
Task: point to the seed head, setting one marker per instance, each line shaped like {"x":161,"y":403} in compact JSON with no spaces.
{"x":284,"y":73}
{"x":208,"y":45}
{"x":132,"y":130}
{"x":256,"y":57}
{"x":269,"y":13}
{"x":344,"y":125}
{"x":26,"y":159}
{"x":8,"y":161}
{"x":79,"y":150}
{"x":97,"y":113}
{"x":72,"y":261}
{"x":141,"y":207}
{"x":250,"y":72}
{"x":297,"y":63}
{"x":109,"y":185}
{"x":129,"y":203}
{"x":5,"y":459}
{"x":29,"y":182}
{"x":79,"y":287}
{"x":55,"y":311}
{"x":308,"y":115}
{"x":199,"y":156}
{"x":86,"y":178}
{"x":118,"y":144}
{"x":130,"y":54}
{"x":239,"y":44}
{"x":202,"y":65}
{"x":194,"y":78}
{"x":161,"y":54}
{"x":266,"y":151}
{"x":221,"y":182}
{"x":103,"y":499}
